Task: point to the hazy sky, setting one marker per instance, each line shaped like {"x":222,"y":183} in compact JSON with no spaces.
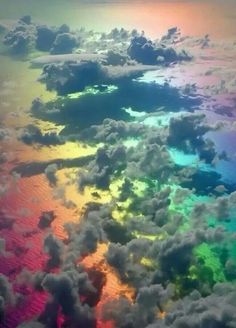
{"x":194,"y":17}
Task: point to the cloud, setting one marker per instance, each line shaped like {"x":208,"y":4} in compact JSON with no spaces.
{"x":115,"y":58}
{"x":45,"y":219}
{"x":151,"y":159}
{"x":50,"y":173}
{"x":55,"y":39}
{"x":57,"y":59}
{"x":170,"y":258}
{"x":101,"y":217}
{"x":64,"y":293}
{"x":216,"y":310}
{"x":64,"y":43}
{"x":186,"y":132}
{"x":32,"y":134}
{"x":142,"y":312}
{"x":84,"y":237}
{"x":45,"y":37}
{"x":112,"y":131}
{"x":126,"y":93}
{"x":54,"y":248}
{"x":22,"y":36}
{"x":26,"y":36}
{"x":146,"y":52}
{"x":106,"y":162}
{"x":70,"y":77}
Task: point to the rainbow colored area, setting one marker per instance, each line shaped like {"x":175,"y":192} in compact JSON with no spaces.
{"x":117,"y":173}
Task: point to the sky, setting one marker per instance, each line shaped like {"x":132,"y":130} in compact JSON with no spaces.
{"x":216,"y":18}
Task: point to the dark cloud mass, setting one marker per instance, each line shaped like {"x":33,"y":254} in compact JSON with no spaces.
{"x":64,"y":293}
{"x":70,"y":77}
{"x":215,"y":310}
{"x":146,"y":52}
{"x":32,"y":134}
{"x":107,"y":161}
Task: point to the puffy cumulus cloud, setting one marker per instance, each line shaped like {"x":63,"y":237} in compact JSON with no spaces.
{"x":150,"y":159}
{"x":26,"y":36}
{"x":118,"y":257}
{"x":144,"y":311}
{"x":84,"y":237}
{"x":69,"y":77}
{"x":174,"y":254}
{"x":172,"y":36}
{"x":146,"y":52}
{"x":112,"y":131}
{"x":46,"y":37}
{"x":64,"y":43}
{"x":157,"y":214}
{"x":54,"y":248}
{"x":50,"y":173}
{"x":180,"y":195}
{"x":159,"y":201}
{"x":186,"y":127}
{"x":100,"y":216}
{"x":215,"y":310}
{"x":72,"y":77}
{"x":62,"y":40}
{"x":153,"y":215}
{"x":45,"y":219}
{"x":187,"y":132}
{"x":32,"y":134}
{"x":127,"y":261}
{"x":126,"y":190}
{"x":21,"y":38}
{"x":223,"y":207}
{"x":116,"y":58}
{"x":169,"y":259}
{"x":64,"y":290}
{"x":220,"y":209}
{"x":80,"y":283}
{"x":203,"y":182}
{"x":119,"y":34}
{"x":199,"y":212}
{"x":106,"y":162}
